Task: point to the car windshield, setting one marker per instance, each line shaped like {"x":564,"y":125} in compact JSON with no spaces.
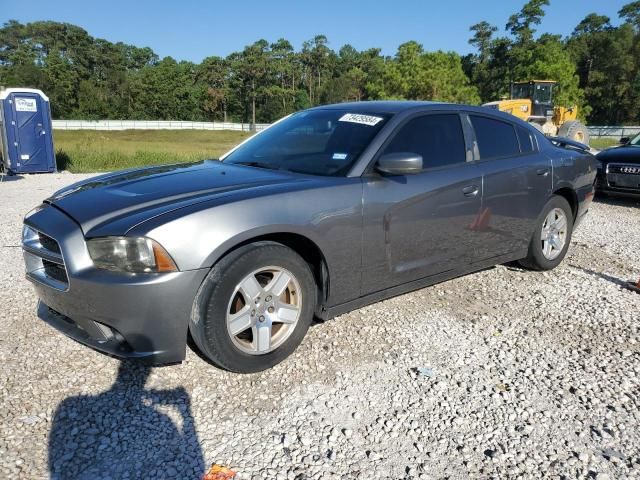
{"x":316,"y":142}
{"x":635,"y":141}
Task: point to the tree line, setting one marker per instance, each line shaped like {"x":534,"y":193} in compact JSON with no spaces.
{"x":597,"y":68}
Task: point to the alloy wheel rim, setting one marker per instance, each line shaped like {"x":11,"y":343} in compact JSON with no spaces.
{"x":554,"y":233}
{"x":264,"y":310}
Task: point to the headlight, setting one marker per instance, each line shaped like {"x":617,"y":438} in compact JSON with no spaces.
{"x":127,"y":254}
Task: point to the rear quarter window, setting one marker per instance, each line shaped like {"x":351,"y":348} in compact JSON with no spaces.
{"x":495,"y":138}
{"x":526,"y":139}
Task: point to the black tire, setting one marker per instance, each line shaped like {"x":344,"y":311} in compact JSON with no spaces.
{"x":574,"y":130}
{"x":535,"y":259}
{"x":208,"y":325}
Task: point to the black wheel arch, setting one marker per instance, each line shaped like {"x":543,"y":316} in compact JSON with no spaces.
{"x":303,"y":246}
{"x":570,"y":195}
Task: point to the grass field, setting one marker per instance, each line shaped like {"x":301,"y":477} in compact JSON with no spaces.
{"x":85,"y":151}
{"x":601,"y":143}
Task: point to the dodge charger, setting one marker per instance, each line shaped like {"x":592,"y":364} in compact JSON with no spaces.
{"x":325,"y":211}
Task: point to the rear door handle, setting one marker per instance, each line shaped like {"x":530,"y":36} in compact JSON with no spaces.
{"x":542,"y":172}
{"x":470,"y":190}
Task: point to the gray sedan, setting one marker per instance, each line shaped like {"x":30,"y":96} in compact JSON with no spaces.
{"x":327,"y":210}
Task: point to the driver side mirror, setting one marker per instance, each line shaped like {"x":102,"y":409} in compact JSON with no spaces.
{"x":624,"y":140}
{"x":400,"y":163}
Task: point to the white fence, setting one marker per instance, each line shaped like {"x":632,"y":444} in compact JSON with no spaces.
{"x":153,"y":125}
{"x":613,"y":132}
{"x":594,"y":131}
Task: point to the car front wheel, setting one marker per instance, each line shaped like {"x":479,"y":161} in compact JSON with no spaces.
{"x":552,"y":236}
{"x":254,"y":308}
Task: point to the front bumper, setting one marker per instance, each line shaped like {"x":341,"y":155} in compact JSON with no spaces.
{"x":126,"y":315}
{"x":611,"y":180}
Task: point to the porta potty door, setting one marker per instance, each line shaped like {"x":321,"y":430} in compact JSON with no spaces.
{"x":27,"y":123}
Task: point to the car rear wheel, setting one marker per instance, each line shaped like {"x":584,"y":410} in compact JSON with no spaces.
{"x":552,"y":236}
{"x":254,"y":308}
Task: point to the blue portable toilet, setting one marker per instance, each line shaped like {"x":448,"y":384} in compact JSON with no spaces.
{"x":25,"y":124}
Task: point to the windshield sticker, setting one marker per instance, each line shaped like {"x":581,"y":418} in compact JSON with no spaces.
{"x":361,"y":119}
{"x":339,"y":156}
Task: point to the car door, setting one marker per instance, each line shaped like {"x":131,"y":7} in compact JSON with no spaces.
{"x":517,"y":182}
{"x":421,"y":224}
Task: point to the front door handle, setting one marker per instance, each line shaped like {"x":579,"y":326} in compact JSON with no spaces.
{"x":543,"y":172}
{"x":470,"y":190}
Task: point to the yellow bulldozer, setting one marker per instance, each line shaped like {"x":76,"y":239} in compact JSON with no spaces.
{"x":532,"y":101}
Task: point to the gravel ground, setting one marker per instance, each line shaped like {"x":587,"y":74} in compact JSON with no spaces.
{"x":499,"y":374}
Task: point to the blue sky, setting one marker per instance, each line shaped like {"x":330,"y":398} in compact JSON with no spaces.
{"x":192,"y":30}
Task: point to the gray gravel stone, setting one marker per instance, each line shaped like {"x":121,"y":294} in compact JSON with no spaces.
{"x":536,"y":374}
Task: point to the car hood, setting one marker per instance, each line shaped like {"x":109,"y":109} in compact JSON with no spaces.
{"x":625,"y":154}
{"x":133,"y":196}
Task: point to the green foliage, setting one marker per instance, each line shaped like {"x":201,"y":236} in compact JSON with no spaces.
{"x":90,"y":78}
{"x":418,"y":75}
{"x":520,"y":24}
{"x":631,"y":13}
{"x":597,"y":68}
{"x":607,"y":62}
{"x":501,"y":61}
{"x":548,"y":59}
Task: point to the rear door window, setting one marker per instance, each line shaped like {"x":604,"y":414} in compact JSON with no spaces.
{"x":495,"y":138}
{"x":438,"y":138}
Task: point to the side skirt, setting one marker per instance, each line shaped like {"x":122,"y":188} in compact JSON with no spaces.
{"x":329,"y":312}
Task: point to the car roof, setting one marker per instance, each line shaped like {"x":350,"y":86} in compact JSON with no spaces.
{"x":397,"y":106}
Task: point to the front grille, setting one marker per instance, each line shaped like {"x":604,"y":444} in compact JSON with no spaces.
{"x":625,"y":169}
{"x":623,"y":176}
{"x":43,"y":259}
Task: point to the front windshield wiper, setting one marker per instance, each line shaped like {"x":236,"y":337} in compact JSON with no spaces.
{"x":268,"y":166}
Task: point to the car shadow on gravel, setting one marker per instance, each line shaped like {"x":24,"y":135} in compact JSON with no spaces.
{"x":126,"y":432}
{"x":604,"y":276}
